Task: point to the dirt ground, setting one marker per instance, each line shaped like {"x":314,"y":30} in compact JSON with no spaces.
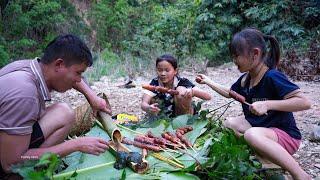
{"x":128,"y":101}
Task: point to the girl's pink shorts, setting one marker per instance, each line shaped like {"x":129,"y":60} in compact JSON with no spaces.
{"x":286,"y":141}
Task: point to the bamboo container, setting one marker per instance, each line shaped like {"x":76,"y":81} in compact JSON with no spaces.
{"x":138,"y":168}
{"x":115,"y":144}
{"x":108,"y":124}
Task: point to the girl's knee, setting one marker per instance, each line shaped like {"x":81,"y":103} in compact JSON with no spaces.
{"x":229,"y":123}
{"x":182,"y":91}
{"x":252,"y":134}
{"x":181,"y":88}
{"x":226,"y":124}
{"x":181,"y":100}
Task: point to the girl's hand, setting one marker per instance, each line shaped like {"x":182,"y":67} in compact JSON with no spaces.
{"x":154,"y":109}
{"x":259,"y":108}
{"x":188,"y":93}
{"x":91,"y":145}
{"x":202,"y":79}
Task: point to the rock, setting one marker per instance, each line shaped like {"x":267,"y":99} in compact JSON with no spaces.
{"x":317,"y":166}
{"x":297,"y":156}
{"x":315,"y":134}
{"x":302,"y":145}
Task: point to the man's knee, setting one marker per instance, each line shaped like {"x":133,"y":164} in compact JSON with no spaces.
{"x":66,"y":111}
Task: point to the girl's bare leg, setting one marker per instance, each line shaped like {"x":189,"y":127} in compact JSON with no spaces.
{"x":265,"y":142}
{"x":183,"y":105}
{"x":238,"y":124}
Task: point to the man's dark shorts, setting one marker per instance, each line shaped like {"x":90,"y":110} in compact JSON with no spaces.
{"x":37,"y":139}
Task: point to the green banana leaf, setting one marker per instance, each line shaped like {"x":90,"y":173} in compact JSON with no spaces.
{"x":86,"y":166}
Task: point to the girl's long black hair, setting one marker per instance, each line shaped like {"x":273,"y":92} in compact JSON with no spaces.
{"x":247,"y":39}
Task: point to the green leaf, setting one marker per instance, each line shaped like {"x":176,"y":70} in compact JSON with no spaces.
{"x":198,"y":129}
{"x":38,"y":169}
{"x":124,"y":175}
{"x":178,"y":176}
{"x":180,"y":121}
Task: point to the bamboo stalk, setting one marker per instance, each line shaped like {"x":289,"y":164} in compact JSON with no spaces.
{"x":99,"y":124}
{"x":67,"y":174}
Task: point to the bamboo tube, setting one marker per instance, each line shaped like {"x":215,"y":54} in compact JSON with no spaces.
{"x":138,"y":168}
{"x":108,"y":125}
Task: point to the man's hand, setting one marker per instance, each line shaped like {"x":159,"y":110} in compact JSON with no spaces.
{"x":92,"y":145}
{"x":259,"y":108}
{"x":99,"y":104}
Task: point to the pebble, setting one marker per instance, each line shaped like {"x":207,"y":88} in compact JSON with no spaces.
{"x":297,"y":156}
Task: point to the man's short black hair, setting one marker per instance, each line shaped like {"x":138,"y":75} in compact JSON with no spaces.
{"x":68,"y":47}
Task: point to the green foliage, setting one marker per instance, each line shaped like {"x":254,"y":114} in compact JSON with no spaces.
{"x":230,"y":158}
{"x":38,"y":169}
{"x":4,"y":56}
{"x":28,"y":26}
{"x":105,"y":63}
{"x":137,"y":31}
{"x":111,"y":21}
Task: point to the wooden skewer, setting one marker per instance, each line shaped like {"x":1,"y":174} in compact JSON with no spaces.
{"x":186,"y":152}
{"x":193,"y":149}
{"x":173,"y":151}
{"x":236,"y":96}
{"x":184,"y":147}
{"x":164,"y":150}
{"x":246,"y":103}
{"x":169,"y":161}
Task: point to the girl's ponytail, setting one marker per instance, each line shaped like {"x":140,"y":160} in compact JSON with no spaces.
{"x":273,"y":56}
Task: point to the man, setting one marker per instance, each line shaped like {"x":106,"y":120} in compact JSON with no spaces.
{"x":27,"y":128}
